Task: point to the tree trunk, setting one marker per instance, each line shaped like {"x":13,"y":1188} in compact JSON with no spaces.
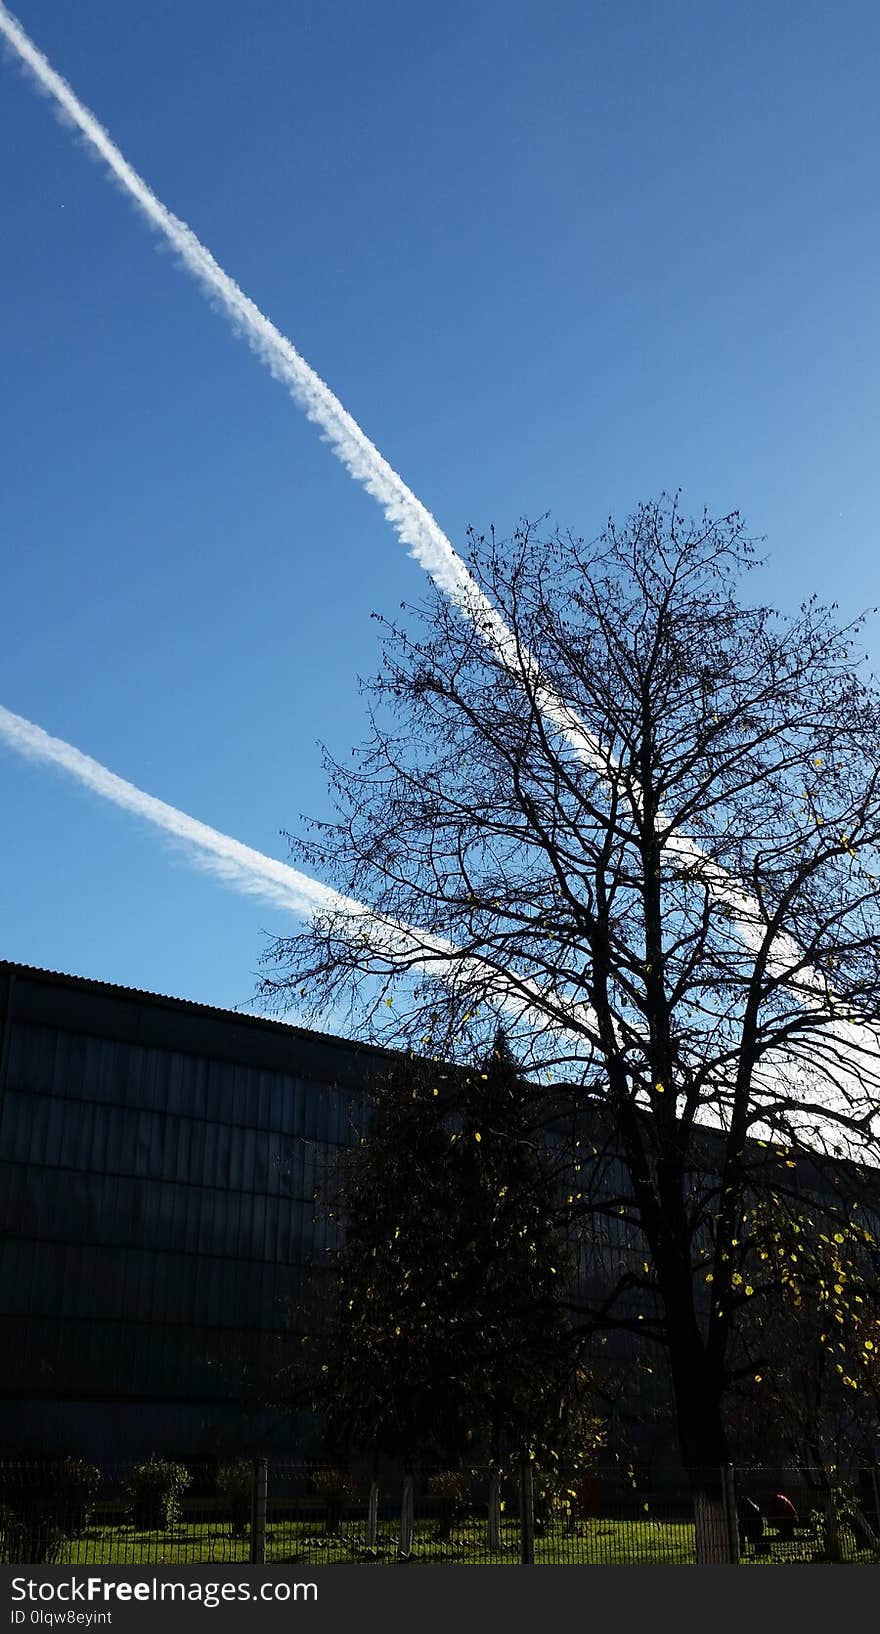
{"x":373,"y":1515}
{"x":704,"y":1454}
{"x":404,"y":1546}
{"x":526,"y":1511}
{"x":494,"y":1538}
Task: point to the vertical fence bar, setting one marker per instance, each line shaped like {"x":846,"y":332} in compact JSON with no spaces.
{"x":526,"y":1512}
{"x":259,"y":1494}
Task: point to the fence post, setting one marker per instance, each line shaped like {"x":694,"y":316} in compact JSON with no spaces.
{"x":526,"y":1511}
{"x":731,"y":1518}
{"x":373,"y":1516}
{"x":494,"y":1539}
{"x":259,"y":1489}
{"x":404,"y":1543}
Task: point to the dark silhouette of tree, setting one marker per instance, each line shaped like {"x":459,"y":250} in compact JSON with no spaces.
{"x":447,"y":1334}
{"x":648,"y":813}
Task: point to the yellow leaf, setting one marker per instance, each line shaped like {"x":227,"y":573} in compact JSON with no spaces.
{"x":477,"y":1135}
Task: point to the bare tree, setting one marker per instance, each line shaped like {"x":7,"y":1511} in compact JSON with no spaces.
{"x":642,"y":822}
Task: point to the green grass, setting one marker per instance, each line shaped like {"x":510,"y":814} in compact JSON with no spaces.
{"x":289,"y":1539}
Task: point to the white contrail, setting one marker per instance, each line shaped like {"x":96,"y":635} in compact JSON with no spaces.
{"x":413,"y":522}
{"x":258,"y":875}
{"x":239,"y":865}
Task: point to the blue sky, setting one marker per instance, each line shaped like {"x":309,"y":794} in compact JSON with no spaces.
{"x":552,"y":256}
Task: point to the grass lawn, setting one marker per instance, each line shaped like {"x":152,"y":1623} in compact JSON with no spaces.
{"x":288,"y":1540}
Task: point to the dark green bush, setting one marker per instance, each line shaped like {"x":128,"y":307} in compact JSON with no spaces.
{"x":452,"y":1489}
{"x":153,"y":1493}
{"x":234,"y":1486}
{"x":44,"y":1503}
{"x":76,"y":1484}
{"x":338,"y":1489}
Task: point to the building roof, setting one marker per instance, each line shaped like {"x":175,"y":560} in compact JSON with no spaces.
{"x":272,"y":1031}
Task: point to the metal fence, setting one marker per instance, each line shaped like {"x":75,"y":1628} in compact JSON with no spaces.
{"x":165,"y":1513}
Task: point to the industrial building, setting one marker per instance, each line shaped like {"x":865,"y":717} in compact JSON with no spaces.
{"x":159,"y":1231}
{"x":158,"y":1168}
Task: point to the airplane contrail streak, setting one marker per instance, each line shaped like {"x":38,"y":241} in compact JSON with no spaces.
{"x":262,"y":876}
{"x":239,"y":865}
{"x":412,"y":521}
